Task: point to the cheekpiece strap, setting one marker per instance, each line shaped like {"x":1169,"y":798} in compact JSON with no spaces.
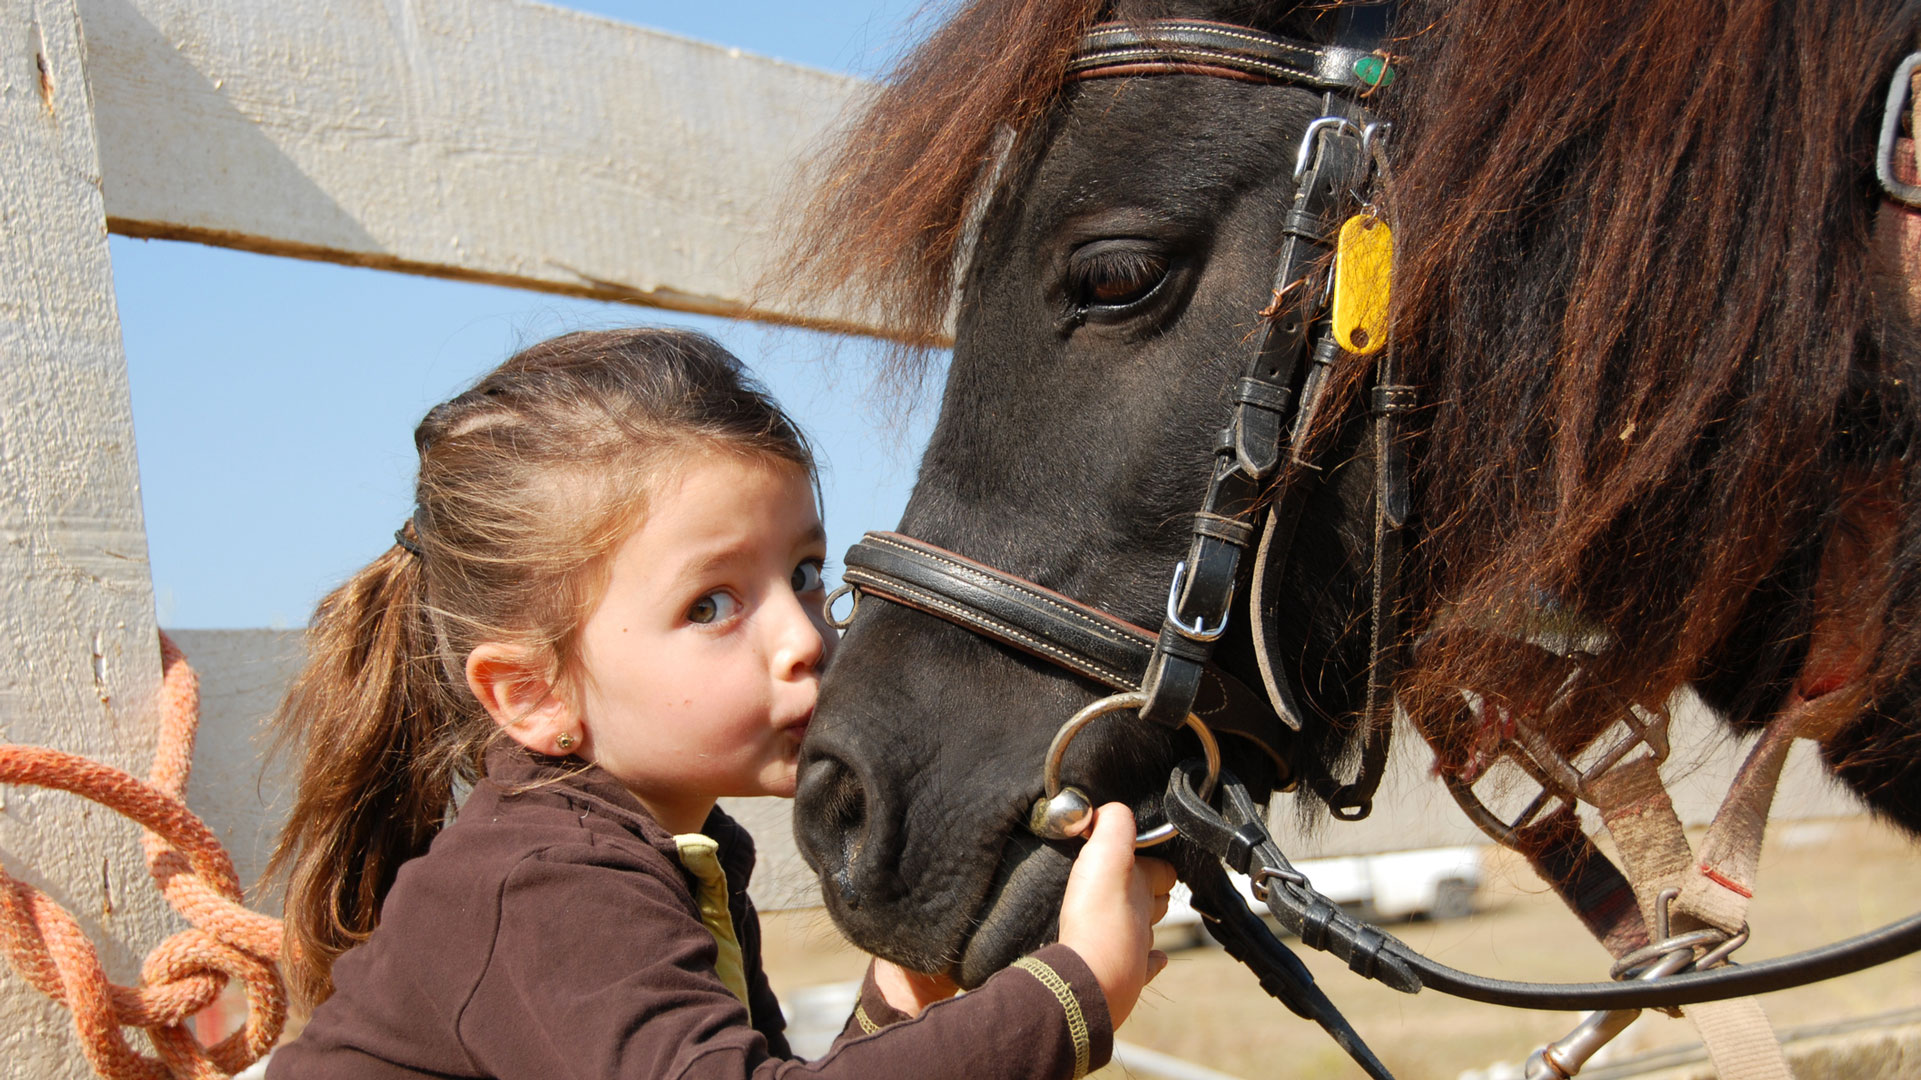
{"x":1201,"y":47}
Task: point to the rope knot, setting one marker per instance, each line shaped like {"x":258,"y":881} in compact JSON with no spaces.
{"x":184,"y":973}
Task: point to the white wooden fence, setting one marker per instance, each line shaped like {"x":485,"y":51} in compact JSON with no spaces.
{"x":489,"y":140}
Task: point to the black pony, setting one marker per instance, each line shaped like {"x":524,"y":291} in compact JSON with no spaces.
{"x":1664,"y":406}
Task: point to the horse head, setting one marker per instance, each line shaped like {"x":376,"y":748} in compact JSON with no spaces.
{"x":1114,"y":295}
{"x":1657,"y":367}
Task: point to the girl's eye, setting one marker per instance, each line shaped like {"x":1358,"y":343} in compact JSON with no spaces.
{"x":712,"y":608}
{"x":807,"y":577}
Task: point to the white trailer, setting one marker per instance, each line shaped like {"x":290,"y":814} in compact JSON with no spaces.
{"x":1436,"y":883}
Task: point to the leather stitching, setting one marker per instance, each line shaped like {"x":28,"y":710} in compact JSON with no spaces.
{"x":977,"y":575}
{"x":965,"y":617}
{"x":1210,"y":29}
{"x":1271,"y":68}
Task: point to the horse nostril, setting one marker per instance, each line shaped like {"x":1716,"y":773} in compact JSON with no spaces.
{"x":831,"y":805}
{"x":846,"y":812}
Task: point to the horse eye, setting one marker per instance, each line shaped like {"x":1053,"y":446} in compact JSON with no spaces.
{"x":1113,"y":275}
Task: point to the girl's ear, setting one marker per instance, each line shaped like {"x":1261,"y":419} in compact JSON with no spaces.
{"x":522,"y":699}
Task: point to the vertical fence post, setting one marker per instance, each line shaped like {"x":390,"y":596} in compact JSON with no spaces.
{"x":79,"y":664}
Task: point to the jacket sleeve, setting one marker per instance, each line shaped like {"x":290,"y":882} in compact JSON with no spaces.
{"x":601,"y":969}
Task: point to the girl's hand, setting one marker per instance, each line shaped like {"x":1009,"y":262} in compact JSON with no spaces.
{"x":911,"y":991}
{"x":1111,"y":905}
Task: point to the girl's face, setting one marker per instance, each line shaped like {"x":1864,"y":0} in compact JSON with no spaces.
{"x":703,"y":658}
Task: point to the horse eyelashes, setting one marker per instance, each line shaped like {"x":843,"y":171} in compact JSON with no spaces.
{"x":1114,"y":278}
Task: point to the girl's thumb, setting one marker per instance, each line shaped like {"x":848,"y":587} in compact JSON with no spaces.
{"x":1111,"y":836}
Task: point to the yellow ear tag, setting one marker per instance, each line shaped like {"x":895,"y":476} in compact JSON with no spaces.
{"x":1363,"y":264}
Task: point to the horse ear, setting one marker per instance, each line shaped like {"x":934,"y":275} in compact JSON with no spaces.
{"x":521,"y":697}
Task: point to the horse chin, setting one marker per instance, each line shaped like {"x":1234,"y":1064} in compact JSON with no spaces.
{"x":1021,"y":910}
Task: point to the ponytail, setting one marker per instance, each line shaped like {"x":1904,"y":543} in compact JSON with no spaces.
{"x":377,"y":776}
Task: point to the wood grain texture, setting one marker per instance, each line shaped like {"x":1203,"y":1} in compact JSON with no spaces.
{"x":79,"y":662}
{"x":490,"y":140}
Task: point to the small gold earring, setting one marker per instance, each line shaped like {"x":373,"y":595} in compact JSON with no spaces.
{"x":565,"y":740}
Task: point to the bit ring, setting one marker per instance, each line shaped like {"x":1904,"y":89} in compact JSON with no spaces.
{"x":827,"y":606}
{"x":1133,"y":699}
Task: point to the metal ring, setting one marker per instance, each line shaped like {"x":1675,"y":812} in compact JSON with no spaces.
{"x":1133,"y":699}
{"x":827,"y":607}
{"x":1631,"y":965}
{"x":1265,"y":874}
{"x":1198,"y":631}
{"x":1372,"y":136}
{"x":1718,"y":955}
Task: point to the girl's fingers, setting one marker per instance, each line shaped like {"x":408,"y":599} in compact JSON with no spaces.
{"x":1104,"y":912}
{"x":1160,"y":876}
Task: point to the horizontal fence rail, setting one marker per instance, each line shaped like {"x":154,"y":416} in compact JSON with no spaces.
{"x":487,"y":140}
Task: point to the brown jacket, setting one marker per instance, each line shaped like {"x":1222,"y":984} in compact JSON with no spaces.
{"x":552,"y":932}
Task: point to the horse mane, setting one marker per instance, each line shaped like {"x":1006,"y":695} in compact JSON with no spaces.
{"x":1636,"y":292}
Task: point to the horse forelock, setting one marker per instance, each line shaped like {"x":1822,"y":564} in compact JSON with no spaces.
{"x":894,"y":197}
{"x":1637,"y":297}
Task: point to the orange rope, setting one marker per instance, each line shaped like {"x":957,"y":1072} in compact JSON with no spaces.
{"x":188,"y":970}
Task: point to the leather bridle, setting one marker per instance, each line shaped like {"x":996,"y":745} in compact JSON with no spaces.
{"x":1170,"y":674}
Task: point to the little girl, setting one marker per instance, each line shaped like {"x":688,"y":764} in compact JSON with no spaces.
{"x":604,"y":615}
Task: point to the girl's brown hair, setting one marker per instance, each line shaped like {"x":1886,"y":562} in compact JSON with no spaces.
{"x":528,"y":482}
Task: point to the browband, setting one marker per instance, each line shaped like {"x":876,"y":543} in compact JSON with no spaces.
{"x":1055,"y":628}
{"x":1197,"y":46}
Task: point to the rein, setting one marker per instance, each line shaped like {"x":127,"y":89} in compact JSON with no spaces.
{"x":1168,"y":676}
{"x":1238,"y":835}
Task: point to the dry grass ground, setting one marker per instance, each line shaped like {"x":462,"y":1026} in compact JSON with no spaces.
{"x":1820,"y":881}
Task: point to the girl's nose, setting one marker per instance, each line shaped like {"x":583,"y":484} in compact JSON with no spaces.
{"x":805,"y":639}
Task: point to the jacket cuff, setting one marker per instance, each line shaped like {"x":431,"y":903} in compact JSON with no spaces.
{"x":1062,"y":973}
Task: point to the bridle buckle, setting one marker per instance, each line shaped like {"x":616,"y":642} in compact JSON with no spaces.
{"x":1198,"y":630}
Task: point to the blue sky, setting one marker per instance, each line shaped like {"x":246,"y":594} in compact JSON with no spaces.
{"x":274,"y":400}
